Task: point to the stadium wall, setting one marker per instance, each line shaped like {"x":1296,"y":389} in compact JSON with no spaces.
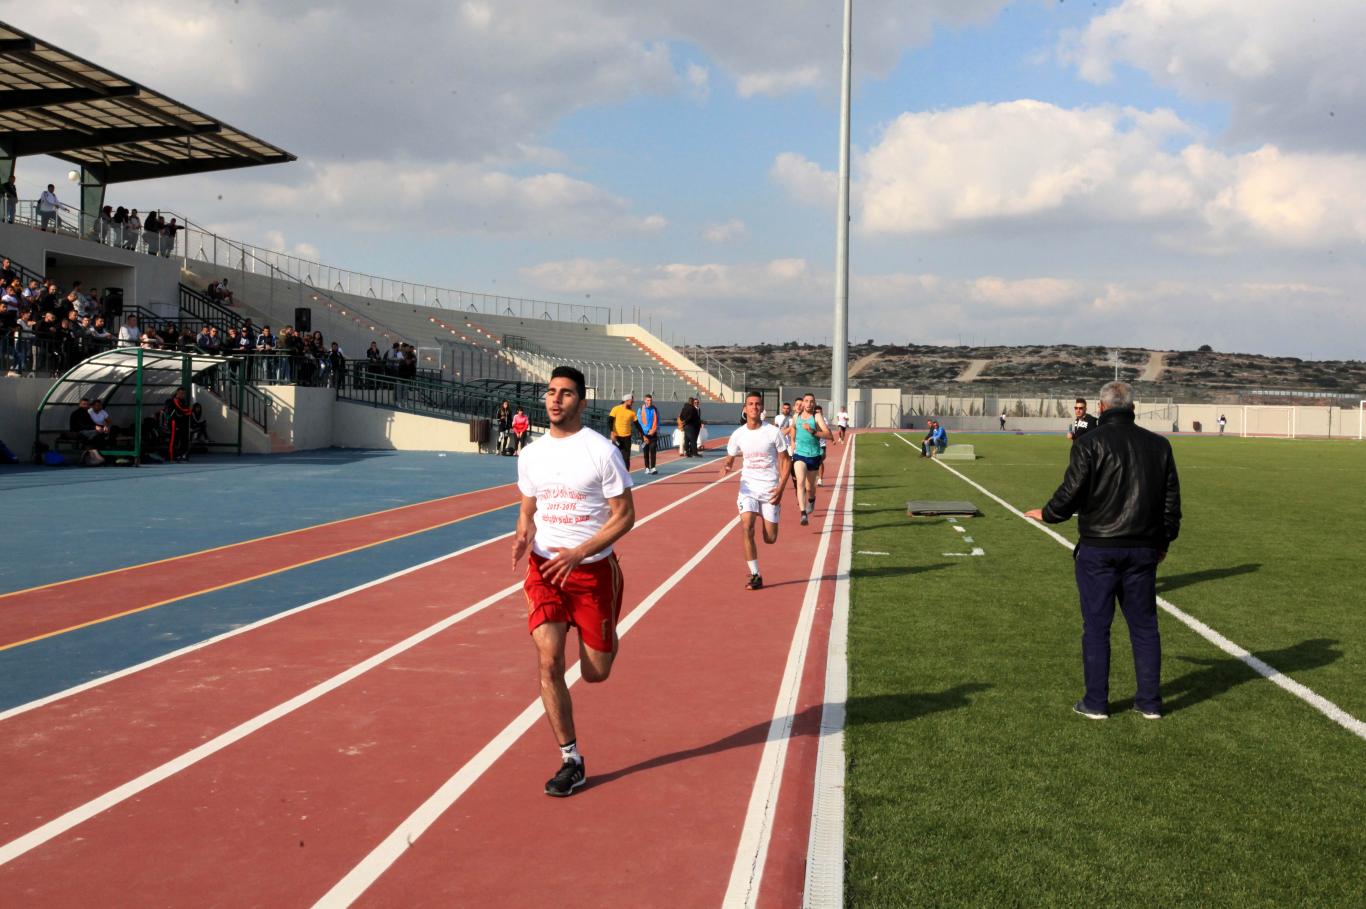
{"x":19,"y":400}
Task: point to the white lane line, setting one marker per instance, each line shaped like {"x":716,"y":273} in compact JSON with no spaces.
{"x":872,"y":552}
{"x":208,"y":642}
{"x":752,"y":854}
{"x":59,"y":825}
{"x":368,"y":870}
{"x":824,"y":884}
{"x":1267,"y":671}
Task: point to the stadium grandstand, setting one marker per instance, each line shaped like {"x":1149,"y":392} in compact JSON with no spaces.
{"x":76,"y":274}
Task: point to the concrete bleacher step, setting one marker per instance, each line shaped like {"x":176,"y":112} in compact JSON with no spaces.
{"x":958,"y":453}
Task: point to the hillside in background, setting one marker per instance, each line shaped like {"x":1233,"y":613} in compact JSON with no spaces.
{"x":1062,"y":369}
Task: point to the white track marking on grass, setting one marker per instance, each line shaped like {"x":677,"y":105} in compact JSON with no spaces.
{"x":368,"y":870}
{"x":1267,"y":671}
{"x":824,"y":885}
{"x":872,"y":552}
{"x":208,"y":642}
{"x":59,"y":825}
{"x":752,"y":854}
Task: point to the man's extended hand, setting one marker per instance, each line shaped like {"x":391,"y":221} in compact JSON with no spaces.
{"x":776,"y":496}
{"x":1035,"y":514}
{"x":557,"y":568}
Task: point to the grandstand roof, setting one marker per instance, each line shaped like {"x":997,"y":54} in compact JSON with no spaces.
{"x":55,"y":103}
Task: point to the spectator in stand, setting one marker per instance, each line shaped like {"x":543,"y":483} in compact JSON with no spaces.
{"x":104,"y":224}
{"x":218,"y":292}
{"x":10,"y":193}
{"x":336,"y":365}
{"x":521,"y":428}
{"x":393,"y":357}
{"x":265,"y":352}
{"x":409,"y":367}
{"x":293,"y":346}
{"x":204,"y":340}
{"x":170,"y":334}
{"x":185,"y":341}
{"x":151,"y":340}
{"x":24,"y":335}
{"x":215,"y":341}
{"x":230,"y":344}
{"x":168,"y":232}
{"x":118,"y":225}
{"x":9,"y":320}
{"x":99,"y":332}
{"x":129,"y":335}
{"x":48,"y":207}
{"x":8,"y":273}
{"x":151,"y":234}
{"x":132,"y":229}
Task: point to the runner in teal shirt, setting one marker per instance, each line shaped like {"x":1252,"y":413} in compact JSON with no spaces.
{"x":808,"y":428}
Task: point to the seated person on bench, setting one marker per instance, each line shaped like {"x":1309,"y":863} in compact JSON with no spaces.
{"x":81,"y":427}
{"x":936,"y":440}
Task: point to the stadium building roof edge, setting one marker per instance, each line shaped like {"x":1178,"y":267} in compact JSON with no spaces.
{"x":53,"y":102}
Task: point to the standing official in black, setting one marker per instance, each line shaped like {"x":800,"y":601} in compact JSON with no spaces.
{"x":1121,"y":483}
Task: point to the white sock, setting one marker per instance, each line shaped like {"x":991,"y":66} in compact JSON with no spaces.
{"x":753,"y":566}
{"x":570,"y":752}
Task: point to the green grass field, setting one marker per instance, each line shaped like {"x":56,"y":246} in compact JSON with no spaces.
{"x":972,"y":783}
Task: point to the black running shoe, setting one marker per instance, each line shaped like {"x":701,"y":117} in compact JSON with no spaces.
{"x":755,"y":582}
{"x":569,"y":777}
{"x":804,"y":519}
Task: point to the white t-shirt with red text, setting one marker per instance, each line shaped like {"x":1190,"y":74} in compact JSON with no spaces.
{"x":571,"y":478}
{"x":759,"y":448}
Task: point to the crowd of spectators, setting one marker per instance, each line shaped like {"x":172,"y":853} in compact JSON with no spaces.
{"x":46,"y":328}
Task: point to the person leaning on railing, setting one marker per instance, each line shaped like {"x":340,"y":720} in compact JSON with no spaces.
{"x":10,"y":194}
{"x":132,"y":227}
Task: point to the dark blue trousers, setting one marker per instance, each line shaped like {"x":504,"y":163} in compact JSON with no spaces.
{"x":1129,"y":576}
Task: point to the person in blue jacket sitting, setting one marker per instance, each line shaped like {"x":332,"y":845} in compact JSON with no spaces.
{"x":935,"y":440}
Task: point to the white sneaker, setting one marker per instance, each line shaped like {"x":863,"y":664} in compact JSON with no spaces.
{"x":819,"y":481}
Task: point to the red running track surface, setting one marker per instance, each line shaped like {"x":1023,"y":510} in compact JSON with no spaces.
{"x":673,"y":742}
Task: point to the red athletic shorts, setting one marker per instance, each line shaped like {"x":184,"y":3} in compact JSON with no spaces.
{"x":590,"y":600}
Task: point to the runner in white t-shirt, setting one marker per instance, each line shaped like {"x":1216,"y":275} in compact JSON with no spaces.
{"x":576,"y":503}
{"x":842,"y":423}
{"x":763,"y":478}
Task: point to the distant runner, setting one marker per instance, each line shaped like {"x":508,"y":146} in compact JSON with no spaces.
{"x":842,"y":423}
{"x":763,"y":479}
{"x":576,"y":503}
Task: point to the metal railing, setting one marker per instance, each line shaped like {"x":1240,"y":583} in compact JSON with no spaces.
{"x":192,"y":242}
{"x":256,"y":406}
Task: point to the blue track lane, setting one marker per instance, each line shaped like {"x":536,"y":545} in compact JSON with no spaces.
{"x":57,"y":663}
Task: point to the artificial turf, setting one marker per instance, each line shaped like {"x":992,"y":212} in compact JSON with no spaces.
{"x":970,"y":780}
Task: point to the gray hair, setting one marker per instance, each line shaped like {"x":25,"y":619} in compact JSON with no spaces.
{"x":1117,"y":395}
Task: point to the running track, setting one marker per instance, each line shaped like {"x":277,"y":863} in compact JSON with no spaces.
{"x":271,"y":766}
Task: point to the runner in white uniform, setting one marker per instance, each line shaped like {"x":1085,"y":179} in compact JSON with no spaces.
{"x":842,"y":423}
{"x":763,"y":479}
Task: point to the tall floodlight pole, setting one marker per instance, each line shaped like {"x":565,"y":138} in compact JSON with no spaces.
{"x":839,"y":361}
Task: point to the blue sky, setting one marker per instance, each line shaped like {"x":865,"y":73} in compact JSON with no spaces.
{"x":1131,"y":172}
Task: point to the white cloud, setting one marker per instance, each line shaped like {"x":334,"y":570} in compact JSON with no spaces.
{"x":779,"y":82}
{"x":1292,"y":72}
{"x":804,"y":180}
{"x":1033,"y":162}
{"x":699,"y":81}
{"x":725,"y":232}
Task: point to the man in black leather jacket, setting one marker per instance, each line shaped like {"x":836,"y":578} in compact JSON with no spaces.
{"x":1121,"y":483}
